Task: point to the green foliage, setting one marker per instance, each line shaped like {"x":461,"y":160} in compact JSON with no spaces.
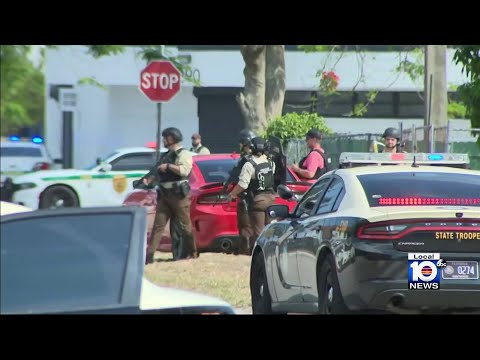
{"x":104,"y":50}
{"x":469,"y":57}
{"x":157,"y":52}
{"x":456,"y":110}
{"x":413,"y":69}
{"x":22,"y":89}
{"x":91,"y":81}
{"x":295,"y":126}
{"x":317,"y":48}
{"x":145,"y":52}
{"x":361,"y":108}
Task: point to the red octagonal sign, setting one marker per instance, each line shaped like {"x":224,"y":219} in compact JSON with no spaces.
{"x":160,"y":81}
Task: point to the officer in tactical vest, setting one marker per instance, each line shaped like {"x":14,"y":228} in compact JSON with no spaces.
{"x":243,"y":222}
{"x":171,"y":172}
{"x":256,"y":180}
{"x":197,"y":146}
{"x":317,"y":162}
{"x":392,"y":138}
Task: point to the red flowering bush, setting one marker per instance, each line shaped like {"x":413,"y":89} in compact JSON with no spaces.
{"x":329,"y":82}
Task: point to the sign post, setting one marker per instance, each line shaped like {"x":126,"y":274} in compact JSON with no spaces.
{"x":68,"y":105}
{"x":160,"y":81}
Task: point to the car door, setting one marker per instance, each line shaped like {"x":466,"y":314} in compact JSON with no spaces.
{"x":309,"y":247}
{"x":288,"y":246}
{"x":112,"y":186}
{"x":72,"y":260}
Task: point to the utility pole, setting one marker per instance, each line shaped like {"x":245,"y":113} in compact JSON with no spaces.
{"x":436,"y":99}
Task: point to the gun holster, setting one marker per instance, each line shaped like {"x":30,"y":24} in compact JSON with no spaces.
{"x":181,"y":190}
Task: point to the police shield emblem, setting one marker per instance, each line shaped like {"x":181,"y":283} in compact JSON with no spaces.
{"x":119,"y":183}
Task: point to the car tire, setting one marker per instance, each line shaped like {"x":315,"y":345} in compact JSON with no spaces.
{"x":330,"y":300}
{"x":260,"y":294}
{"x":58,"y":197}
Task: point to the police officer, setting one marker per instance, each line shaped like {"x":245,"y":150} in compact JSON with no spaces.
{"x":392,"y":140}
{"x":257,"y":181}
{"x":243,"y":222}
{"x":197,"y":146}
{"x":315,"y":164}
{"x":173,"y":170}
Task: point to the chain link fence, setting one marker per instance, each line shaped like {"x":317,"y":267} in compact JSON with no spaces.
{"x":416,"y":139}
{"x":334,"y":145}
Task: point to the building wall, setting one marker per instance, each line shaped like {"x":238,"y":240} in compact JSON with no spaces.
{"x":121,"y":115}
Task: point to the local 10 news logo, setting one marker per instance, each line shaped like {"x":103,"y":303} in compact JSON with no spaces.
{"x":424,"y":271}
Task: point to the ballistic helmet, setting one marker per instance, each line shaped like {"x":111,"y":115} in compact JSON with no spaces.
{"x":245,"y":137}
{"x":258,"y":145}
{"x":174,"y":133}
{"x":392,"y":132}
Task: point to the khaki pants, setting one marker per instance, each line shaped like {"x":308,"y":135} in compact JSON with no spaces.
{"x":251,"y":223}
{"x":172,"y":207}
{"x":244,"y":228}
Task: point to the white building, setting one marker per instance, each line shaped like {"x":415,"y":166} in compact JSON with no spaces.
{"x":120,"y":115}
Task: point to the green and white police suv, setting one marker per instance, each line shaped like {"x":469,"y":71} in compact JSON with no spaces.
{"x":104,"y":183}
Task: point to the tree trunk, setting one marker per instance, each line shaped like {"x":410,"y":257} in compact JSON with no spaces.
{"x":436,"y":101}
{"x":252,"y":101}
{"x":275,"y":81}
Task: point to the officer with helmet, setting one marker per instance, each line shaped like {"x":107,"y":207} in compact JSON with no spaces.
{"x":243,"y":222}
{"x":256,"y":179}
{"x":171,"y":172}
{"x":392,"y":140}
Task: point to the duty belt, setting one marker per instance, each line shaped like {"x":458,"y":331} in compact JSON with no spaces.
{"x":170,"y":184}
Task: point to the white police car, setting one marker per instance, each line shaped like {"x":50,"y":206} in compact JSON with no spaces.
{"x":104,"y":183}
{"x":23,"y":155}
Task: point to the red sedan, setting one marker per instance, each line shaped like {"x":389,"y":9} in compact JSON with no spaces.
{"x":214,"y":219}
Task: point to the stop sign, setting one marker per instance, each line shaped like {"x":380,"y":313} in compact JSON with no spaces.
{"x":160,"y":81}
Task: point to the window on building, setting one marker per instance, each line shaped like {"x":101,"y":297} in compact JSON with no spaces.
{"x":411,"y":105}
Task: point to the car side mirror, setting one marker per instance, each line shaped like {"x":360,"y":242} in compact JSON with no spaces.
{"x":98,"y":161}
{"x":278,"y":211}
{"x":105,"y":167}
{"x":285,"y":192}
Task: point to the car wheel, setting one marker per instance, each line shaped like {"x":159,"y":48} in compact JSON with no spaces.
{"x":260,"y":294}
{"x":330,"y":300}
{"x":58,"y":197}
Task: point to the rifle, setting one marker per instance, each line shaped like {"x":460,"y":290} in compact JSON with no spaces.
{"x":138,"y":184}
{"x":233,"y":178}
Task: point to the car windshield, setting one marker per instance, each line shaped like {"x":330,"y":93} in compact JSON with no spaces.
{"x":425,"y":188}
{"x":103,"y":159}
{"x":80,"y":264}
{"x":216,"y":170}
{"x":16,"y":151}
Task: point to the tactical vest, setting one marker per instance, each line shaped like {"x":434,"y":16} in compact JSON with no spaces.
{"x":197,"y":150}
{"x":320,"y":171}
{"x":170,"y":158}
{"x":237,"y":169}
{"x":263,"y":180}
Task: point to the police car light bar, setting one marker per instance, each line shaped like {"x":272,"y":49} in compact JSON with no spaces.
{"x":36,"y":139}
{"x":403,"y":158}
